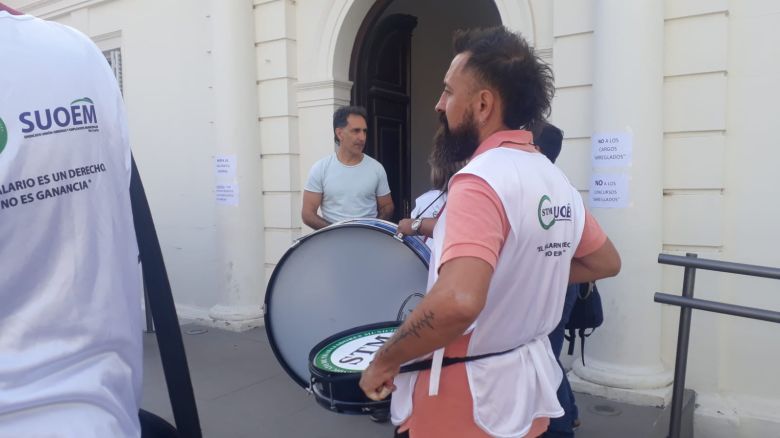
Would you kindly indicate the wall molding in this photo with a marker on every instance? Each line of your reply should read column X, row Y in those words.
column 49, row 9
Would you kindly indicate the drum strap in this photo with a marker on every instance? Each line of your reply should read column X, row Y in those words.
column 429, row 205
column 416, row 366
column 447, row 361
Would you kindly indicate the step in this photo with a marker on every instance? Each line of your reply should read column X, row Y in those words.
column 603, row 418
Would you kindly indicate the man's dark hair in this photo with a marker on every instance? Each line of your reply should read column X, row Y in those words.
column 549, row 139
column 340, row 117
column 502, row 60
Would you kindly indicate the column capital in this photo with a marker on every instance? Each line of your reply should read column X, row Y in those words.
column 323, row 93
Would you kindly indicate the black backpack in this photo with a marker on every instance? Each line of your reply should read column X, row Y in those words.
column 586, row 314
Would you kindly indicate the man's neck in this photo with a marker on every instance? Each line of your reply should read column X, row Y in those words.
column 347, row 158
column 490, row 129
column 9, row 10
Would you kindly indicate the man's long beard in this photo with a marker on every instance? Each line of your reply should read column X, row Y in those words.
column 452, row 148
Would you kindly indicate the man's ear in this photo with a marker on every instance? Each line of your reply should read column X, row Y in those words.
column 339, row 132
column 486, row 101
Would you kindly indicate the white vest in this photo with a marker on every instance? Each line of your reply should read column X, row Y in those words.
column 525, row 296
column 70, row 320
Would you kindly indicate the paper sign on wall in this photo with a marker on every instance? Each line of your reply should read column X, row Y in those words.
column 227, row 194
column 611, row 149
column 609, row 190
column 225, row 166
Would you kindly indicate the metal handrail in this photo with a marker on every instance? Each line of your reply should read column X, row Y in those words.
column 691, row 261
column 718, row 307
column 687, row 303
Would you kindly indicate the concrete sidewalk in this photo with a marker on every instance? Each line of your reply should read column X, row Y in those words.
column 242, row 391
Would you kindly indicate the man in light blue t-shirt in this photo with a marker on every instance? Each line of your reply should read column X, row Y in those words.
column 346, row 184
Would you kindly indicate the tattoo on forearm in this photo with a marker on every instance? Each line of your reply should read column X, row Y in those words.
column 414, row 330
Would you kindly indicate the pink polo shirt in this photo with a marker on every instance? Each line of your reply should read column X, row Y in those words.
column 477, row 226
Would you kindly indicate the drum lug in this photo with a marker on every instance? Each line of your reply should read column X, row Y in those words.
column 332, row 399
column 399, row 237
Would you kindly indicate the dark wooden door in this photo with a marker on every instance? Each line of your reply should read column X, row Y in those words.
column 383, row 87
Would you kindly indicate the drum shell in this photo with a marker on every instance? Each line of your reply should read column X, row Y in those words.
column 344, row 396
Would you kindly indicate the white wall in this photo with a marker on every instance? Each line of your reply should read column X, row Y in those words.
column 721, row 67
column 276, row 47
column 169, row 108
column 750, row 209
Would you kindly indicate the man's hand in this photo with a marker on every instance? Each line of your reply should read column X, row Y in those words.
column 452, row 304
column 426, row 227
column 377, row 384
column 405, row 227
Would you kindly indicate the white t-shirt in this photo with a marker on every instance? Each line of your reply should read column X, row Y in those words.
column 348, row 192
column 433, row 200
column 70, row 321
column 429, row 205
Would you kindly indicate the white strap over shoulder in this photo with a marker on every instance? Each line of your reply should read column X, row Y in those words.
column 433, row 384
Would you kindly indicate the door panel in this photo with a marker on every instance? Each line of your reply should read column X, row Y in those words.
column 383, row 87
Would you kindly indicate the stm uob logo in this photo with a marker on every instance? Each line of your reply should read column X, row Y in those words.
column 79, row 115
column 549, row 213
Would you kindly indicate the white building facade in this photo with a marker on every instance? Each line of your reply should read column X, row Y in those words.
column 687, row 86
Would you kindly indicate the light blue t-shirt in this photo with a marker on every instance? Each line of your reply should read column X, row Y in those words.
column 348, row 192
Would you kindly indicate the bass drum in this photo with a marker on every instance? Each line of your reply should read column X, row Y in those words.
column 349, row 274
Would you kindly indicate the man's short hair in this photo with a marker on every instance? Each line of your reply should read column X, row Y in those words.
column 340, row 117
column 502, row 60
column 549, row 139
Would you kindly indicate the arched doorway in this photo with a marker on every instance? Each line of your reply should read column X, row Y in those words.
column 401, row 52
column 382, row 84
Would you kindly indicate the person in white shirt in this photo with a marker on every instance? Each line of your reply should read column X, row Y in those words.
column 427, row 208
column 347, row 184
column 70, row 321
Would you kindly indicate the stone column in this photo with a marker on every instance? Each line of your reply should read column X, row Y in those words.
column 239, row 227
column 624, row 360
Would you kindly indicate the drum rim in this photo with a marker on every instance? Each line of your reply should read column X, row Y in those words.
column 341, row 335
column 269, row 330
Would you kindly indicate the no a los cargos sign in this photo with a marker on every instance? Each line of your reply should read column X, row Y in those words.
column 612, row 149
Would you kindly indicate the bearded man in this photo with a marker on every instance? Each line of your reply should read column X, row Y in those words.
column 513, row 234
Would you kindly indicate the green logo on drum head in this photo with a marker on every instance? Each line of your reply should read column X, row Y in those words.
column 353, row 353
column 3, row 136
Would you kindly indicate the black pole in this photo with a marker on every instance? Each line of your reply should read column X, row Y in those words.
column 681, row 363
column 174, row 359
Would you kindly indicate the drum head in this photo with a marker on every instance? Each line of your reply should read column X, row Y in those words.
column 336, row 364
column 350, row 351
column 338, row 278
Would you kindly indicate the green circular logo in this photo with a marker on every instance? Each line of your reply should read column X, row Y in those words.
column 545, row 213
column 3, row 136
column 352, row 353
